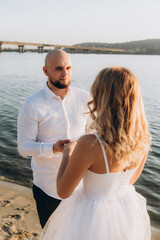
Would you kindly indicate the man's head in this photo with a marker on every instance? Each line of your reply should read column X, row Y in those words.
column 58, row 69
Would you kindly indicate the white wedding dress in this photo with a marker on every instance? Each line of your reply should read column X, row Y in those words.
column 106, row 207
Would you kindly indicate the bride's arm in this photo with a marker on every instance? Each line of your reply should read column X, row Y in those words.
column 139, row 170
column 66, row 155
column 76, row 160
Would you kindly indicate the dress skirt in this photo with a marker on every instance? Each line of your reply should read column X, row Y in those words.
column 82, row 217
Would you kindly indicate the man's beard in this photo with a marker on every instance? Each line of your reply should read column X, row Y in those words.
column 59, row 85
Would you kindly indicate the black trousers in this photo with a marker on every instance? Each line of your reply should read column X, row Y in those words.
column 45, row 204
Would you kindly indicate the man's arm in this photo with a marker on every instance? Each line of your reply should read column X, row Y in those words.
column 27, row 135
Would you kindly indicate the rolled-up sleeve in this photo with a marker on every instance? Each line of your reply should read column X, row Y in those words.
column 28, row 124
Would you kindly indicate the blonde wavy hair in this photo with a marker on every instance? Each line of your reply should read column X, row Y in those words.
column 118, row 114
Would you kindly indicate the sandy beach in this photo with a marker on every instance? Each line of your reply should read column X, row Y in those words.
column 18, row 216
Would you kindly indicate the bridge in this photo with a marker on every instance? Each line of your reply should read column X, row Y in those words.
column 72, row 49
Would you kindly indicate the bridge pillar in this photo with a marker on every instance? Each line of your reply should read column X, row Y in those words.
column 58, row 47
column 86, row 51
column 40, row 49
column 99, row 52
column 21, row 48
column 73, row 50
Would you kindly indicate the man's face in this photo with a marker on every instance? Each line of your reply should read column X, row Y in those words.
column 59, row 71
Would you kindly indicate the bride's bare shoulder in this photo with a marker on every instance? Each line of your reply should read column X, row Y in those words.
column 87, row 139
column 87, row 142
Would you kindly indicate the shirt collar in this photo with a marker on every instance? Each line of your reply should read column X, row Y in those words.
column 50, row 95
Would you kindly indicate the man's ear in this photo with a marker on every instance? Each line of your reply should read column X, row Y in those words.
column 45, row 71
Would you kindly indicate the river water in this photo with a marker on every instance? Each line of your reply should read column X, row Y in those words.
column 21, row 75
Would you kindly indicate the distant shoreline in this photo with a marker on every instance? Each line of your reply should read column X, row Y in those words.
column 139, row 47
column 79, row 52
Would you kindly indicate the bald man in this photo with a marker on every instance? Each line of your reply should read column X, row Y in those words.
column 47, row 121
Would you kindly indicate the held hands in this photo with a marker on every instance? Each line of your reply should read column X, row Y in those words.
column 60, row 145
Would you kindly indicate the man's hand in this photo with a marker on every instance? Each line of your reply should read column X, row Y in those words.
column 59, row 145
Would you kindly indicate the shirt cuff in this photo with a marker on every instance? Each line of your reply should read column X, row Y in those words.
column 47, row 150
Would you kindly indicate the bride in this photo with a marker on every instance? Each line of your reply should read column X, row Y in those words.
column 106, row 206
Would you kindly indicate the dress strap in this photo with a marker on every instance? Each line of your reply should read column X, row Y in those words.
column 104, row 153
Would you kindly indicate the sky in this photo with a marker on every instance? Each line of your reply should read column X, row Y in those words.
column 71, row 22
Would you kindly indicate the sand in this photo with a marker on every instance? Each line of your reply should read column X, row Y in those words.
column 18, row 216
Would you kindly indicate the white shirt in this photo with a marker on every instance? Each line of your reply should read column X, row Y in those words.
column 43, row 120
